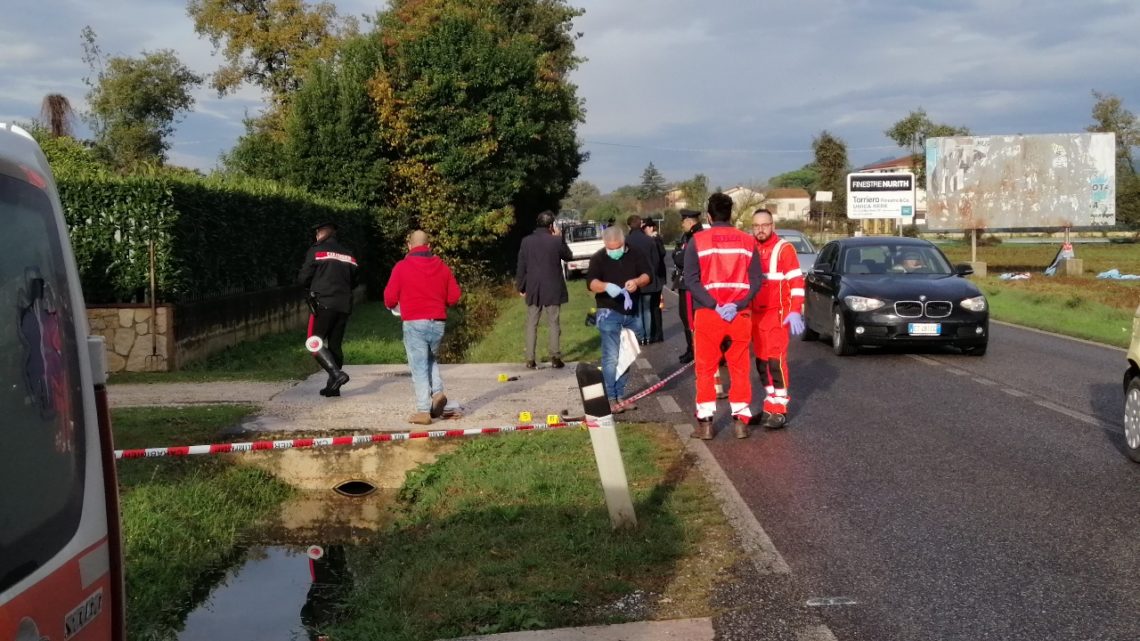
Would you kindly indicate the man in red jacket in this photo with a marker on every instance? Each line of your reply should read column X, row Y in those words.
column 775, row 310
column 420, row 290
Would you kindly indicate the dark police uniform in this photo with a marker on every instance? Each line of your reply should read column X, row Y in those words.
column 330, row 274
column 679, row 282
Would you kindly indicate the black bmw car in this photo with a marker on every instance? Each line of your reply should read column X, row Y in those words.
column 885, row 290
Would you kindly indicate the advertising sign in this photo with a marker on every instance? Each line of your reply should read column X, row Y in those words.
column 1018, row 182
column 871, row 195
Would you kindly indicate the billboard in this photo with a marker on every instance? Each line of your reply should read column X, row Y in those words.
column 880, row 195
column 1019, row 182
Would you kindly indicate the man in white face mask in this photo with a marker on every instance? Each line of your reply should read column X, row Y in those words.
column 615, row 274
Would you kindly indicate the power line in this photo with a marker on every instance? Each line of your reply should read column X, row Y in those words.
column 729, row 151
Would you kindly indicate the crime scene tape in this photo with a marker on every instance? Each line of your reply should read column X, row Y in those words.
column 654, row 387
column 335, row 441
column 363, row 439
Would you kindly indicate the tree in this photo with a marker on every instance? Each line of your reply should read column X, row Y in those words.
column 1110, row 115
column 831, row 167
column 134, row 102
column 269, row 43
column 474, row 104
column 652, row 184
column 911, row 133
column 581, row 196
column 806, row 178
column 696, row 191
column 56, row 115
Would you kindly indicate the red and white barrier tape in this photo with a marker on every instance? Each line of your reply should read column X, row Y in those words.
column 654, row 387
column 363, row 439
column 335, row 441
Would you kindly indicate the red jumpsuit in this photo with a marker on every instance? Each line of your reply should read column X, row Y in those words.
column 781, row 294
column 721, row 267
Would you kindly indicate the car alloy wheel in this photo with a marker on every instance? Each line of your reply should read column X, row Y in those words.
column 1132, row 419
column 839, row 343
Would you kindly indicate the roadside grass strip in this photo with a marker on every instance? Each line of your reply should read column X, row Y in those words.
column 374, row 337
column 1062, row 307
column 504, row 342
column 183, row 520
column 512, row 534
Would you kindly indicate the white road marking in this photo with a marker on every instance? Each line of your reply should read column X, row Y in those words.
column 1014, row 392
column 669, row 405
column 643, row 364
column 984, row 381
column 1060, row 409
column 652, row 378
column 815, row 633
column 759, row 547
column 816, row 602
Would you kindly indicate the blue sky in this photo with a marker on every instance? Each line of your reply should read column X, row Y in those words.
column 729, row 88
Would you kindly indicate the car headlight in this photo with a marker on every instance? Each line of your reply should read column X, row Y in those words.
column 862, row 303
column 975, row 304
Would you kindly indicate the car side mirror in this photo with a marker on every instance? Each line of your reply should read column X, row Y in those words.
column 963, row 269
column 823, row 269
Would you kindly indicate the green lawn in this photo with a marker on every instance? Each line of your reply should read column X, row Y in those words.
column 512, row 533
column 504, row 343
column 183, row 519
column 1064, row 307
column 374, row 335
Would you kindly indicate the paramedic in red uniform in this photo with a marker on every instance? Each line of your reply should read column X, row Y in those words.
column 777, row 309
column 722, row 273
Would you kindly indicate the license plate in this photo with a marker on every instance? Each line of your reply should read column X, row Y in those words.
column 924, row 329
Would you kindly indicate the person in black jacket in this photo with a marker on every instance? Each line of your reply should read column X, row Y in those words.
column 330, row 275
column 657, row 334
column 539, row 281
column 649, row 298
column 690, row 224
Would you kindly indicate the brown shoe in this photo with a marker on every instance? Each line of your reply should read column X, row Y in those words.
column 704, row 430
column 740, row 428
column 438, row 402
column 420, row 418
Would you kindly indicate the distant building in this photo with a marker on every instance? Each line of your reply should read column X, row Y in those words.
column 675, row 199
column 789, row 203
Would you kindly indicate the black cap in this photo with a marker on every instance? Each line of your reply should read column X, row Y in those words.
column 690, row 213
column 325, row 224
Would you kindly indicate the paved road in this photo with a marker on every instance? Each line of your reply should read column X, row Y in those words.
column 946, row 496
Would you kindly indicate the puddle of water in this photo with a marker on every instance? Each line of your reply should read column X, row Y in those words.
column 278, row 594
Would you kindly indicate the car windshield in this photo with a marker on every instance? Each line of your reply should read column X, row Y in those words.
column 582, row 232
column 891, row 258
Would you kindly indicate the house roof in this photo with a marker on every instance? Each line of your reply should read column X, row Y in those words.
column 903, row 162
column 788, row 192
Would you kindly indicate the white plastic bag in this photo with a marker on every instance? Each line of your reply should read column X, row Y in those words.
column 628, row 350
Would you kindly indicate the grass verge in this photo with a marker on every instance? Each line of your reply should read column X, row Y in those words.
column 504, row 343
column 182, row 519
column 374, row 336
column 512, row 533
column 1061, row 306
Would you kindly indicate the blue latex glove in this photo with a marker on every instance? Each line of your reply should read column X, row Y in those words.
column 628, row 304
column 795, row 322
column 613, row 290
column 727, row 311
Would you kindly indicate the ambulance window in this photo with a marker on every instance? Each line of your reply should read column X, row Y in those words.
column 42, row 456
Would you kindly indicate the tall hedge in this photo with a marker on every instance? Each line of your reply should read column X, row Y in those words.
column 211, row 236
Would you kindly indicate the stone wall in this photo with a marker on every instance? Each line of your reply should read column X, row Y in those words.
column 133, row 337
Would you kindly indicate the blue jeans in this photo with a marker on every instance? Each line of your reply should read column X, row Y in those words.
column 645, row 311
column 421, row 342
column 610, row 324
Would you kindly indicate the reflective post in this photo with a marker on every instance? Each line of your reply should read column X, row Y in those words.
column 607, row 453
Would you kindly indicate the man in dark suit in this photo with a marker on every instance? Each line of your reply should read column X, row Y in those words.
column 540, row 282
column 649, row 298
